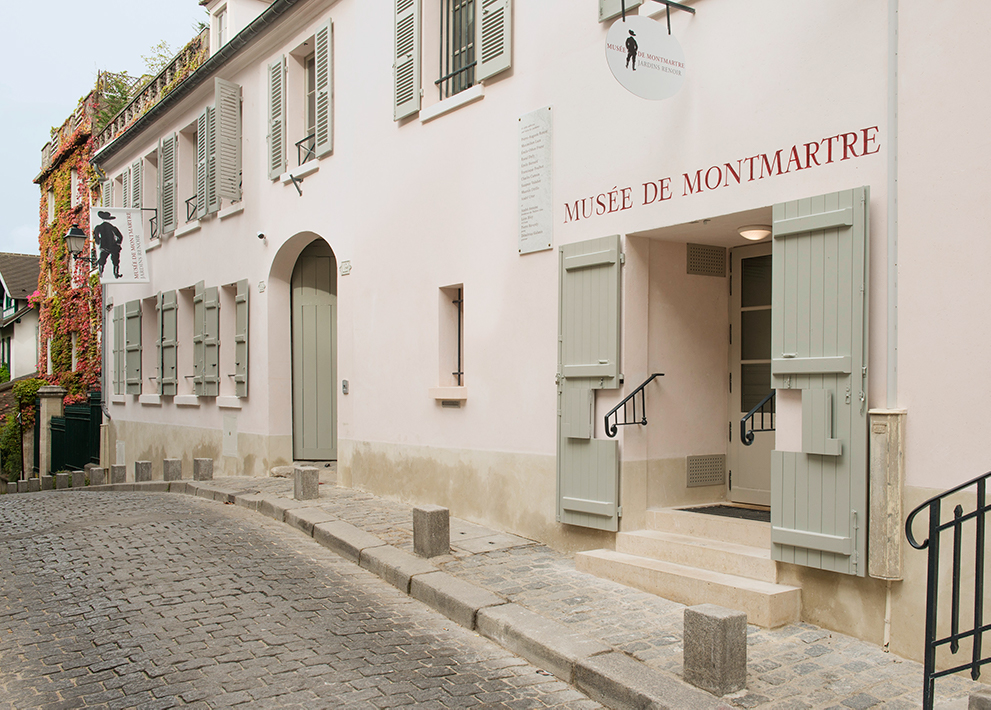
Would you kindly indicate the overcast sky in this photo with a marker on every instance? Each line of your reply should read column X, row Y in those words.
column 51, row 52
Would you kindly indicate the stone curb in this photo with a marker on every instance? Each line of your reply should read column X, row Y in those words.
column 604, row 674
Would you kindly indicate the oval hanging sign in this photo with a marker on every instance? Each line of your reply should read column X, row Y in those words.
column 644, row 58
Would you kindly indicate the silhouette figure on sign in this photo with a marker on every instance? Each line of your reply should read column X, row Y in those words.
column 631, row 50
column 108, row 238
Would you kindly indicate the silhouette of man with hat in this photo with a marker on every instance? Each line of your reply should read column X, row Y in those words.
column 109, row 239
column 631, row 50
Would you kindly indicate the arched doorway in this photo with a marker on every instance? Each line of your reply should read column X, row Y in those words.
column 314, row 353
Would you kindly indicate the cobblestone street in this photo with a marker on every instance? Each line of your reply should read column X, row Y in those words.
column 156, row 600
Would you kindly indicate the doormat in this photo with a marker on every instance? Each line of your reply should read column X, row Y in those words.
column 732, row 511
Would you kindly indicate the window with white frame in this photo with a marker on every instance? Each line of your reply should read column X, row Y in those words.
column 221, row 26
column 74, row 187
column 475, row 39
column 50, row 201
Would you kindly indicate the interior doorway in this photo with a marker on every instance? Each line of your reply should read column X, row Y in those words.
column 749, row 477
column 314, row 353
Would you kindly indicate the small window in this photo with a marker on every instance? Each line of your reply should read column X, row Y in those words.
column 51, row 206
column 186, row 183
column 451, row 331
column 310, row 130
column 457, row 47
column 184, row 351
column 74, row 187
column 221, row 27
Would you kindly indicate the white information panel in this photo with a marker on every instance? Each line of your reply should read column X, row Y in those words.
column 536, row 182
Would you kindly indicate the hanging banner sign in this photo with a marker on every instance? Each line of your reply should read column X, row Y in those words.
column 644, row 58
column 118, row 237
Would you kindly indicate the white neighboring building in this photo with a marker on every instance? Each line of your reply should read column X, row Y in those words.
column 18, row 320
column 339, row 273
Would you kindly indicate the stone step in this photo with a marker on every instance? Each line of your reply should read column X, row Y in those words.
column 712, row 527
column 715, row 555
column 766, row 604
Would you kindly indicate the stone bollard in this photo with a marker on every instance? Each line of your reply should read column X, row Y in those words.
column 34, row 485
column 202, row 469
column 61, row 480
column 22, row 485
column 715, row 648
column 172, row 469
column 78, row 479
column 97, row 476
column 979, row 700
column 431, row 531
column 306, row 483
column 11, row 486
column 118, row 473
column 47, row 483
column 142, row 471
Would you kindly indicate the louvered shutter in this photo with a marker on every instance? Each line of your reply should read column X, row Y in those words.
column 406, row 66
column 136, row 180
column 199, row 338
column 167, row 168
column 211, row 341
column 324, row 69
column 819, row 346
column 132, row 347
column 588, row 359
column 494, row 35
column 125, row 178
column 241, row 339
column 609, row 9
column 105, row 198
column 227, row 115
column 167, row 343
column 276, row 118
column 202, row 160
column 118, row 349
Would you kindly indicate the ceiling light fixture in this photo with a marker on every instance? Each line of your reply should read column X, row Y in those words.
column 755, row 232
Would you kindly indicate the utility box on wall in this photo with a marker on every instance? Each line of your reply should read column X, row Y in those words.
column 887, row 475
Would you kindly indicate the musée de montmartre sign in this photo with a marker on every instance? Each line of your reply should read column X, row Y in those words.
column 801, row 156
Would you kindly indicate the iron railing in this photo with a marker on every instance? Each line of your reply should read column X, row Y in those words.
column 308, row 151
column 975, row 633
column 191, row 208
column 611, row 429
column 764, row 410
column 457, row 47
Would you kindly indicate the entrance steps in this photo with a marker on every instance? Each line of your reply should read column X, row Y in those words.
column 694, row 558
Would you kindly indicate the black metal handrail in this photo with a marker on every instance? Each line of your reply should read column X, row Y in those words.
column 765, row 409
column 611, row 429
column 310, row 148
column 932, row 542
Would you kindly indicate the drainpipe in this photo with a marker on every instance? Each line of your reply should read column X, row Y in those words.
column 892, row 352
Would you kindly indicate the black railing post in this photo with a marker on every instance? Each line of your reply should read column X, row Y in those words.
column 955, row 589
column 975, row 672
column 932, row 585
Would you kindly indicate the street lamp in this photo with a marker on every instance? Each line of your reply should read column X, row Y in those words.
column 75, row 242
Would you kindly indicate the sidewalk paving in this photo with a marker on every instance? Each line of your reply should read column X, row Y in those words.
column 790, row 668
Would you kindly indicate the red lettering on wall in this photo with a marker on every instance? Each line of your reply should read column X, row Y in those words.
column 868, row 139
column 689, row 189
column 849, row 145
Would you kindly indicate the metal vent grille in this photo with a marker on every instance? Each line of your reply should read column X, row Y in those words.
column 706, row 260
column 707, row 470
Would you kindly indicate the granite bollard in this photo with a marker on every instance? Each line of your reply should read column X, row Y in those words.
column 172, row 469
column 97, row 476
column 78, row 479
column 34, row 484
column 12, row 487
column 142, row 471
column 431, row 531
column 47, row 483
column 202, row 469
column 22, row 485
column 61, row 480
column 306, row 483
column 715, row 648
column 118, row 473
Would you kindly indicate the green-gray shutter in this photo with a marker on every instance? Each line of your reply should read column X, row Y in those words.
column 167, row 159
column 227, row 115
column 609, row 9
column 324, row 69
column 167, row 345
column 105, row 198
column 118, row 349
column 277, row 118
column 819, row 345
column 199, row 338
column 136, row 197
column 211, row 341
column 588, row 359
column 207, row 201
column 241, row 339
column 132, row 347
column 125, row 178
column 406, row 59
column 494, row 37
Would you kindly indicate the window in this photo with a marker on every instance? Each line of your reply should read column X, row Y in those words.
column 475, row 39
column 451, row 331
column 74, row 188
column 50, row 199
column 300, row 103
column 221, row 17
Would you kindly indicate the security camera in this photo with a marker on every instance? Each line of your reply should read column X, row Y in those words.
column 261, row 235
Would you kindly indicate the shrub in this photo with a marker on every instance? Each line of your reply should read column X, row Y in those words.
column 10, row 447
column 4, row 374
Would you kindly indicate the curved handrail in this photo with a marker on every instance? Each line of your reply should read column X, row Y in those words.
column 612, row 429
column 747, row 437
column 918, row 509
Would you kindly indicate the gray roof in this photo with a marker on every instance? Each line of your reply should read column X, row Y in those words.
column 19, row 274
